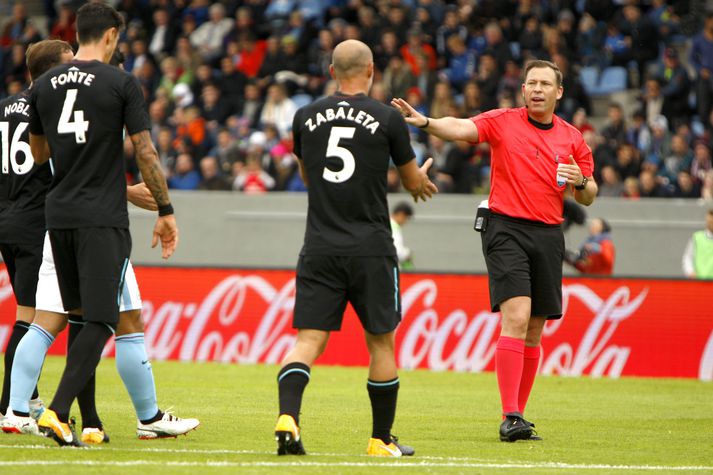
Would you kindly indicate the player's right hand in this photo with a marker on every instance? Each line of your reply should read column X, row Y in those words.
column 167, row 231
column 411, row 116
column 427, row 188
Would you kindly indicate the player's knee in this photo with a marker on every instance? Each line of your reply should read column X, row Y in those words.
column 52, row 323
column 383, row 343
column 130, row 322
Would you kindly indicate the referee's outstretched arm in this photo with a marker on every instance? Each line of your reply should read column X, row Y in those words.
column 446, row 128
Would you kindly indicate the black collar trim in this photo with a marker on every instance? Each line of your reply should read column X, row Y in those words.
column 540, row 125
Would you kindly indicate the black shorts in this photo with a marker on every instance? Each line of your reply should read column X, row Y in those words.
column 91, row 263
column 524, row 258
column 326, row 283
column 23, row 265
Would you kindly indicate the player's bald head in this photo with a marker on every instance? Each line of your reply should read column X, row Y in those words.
column 350, row 58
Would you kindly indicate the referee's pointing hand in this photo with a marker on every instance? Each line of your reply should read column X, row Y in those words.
column 411, row 116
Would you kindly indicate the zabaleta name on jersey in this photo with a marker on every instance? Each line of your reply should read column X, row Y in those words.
column 362, row 118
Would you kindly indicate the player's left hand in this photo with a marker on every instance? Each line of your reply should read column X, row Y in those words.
column 140, row 195
column 570, row 172
column 167, row 231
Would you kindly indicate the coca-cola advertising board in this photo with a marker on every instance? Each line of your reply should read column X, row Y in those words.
column 611, row 327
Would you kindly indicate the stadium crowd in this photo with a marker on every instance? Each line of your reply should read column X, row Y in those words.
column 223, row 80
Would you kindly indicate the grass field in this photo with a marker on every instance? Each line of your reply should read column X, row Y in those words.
column 590, row 426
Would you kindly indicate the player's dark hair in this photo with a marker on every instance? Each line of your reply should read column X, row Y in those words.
column 94, row 18
column 45, row 55
column 404, row 208
column 541, row 63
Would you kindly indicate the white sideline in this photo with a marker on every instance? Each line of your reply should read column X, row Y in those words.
column 423, row 461
column 385, row 464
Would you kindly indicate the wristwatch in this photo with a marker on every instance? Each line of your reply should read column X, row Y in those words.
column 583, row 185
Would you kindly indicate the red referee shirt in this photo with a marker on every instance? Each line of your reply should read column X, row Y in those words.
column 523, row 180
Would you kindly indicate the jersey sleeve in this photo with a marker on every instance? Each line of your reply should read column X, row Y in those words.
column 136, row 117
column 583, row 156
column 296, row 134
column 488, row 125
column 35, row 122
column 399, row 140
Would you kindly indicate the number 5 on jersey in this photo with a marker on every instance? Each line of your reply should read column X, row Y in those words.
column 80, row 126
column 334, row 150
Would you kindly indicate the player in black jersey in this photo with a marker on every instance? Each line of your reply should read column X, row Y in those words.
column 132, row 360
column 23, row 186
column 344, row 144
column 78, row 112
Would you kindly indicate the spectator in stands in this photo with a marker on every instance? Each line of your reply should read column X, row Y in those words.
column 628, row 162
column 610, row 184
column 597, row 254
column 252, row 179
column 213, row 179
column 171, row 75
column 401, row 214
column 679, row 160
column 581, row 122
column 530, row 39
column 14, row 27
column 649, row 187
column 702, row 162
column 461, row 64
column 496, row 46
column 64, row 28
column 702, row 60
column 370, row 29
column 14, row 68
column 397, row 77
column 675, row 90
column 226, row 151
column 631, row 189
column 162, row 40
column 387, row 48
column 590, row 38
column 166, row 152
column 685, row 187
column 652, row 101
column 442, row 100
column 707, row 188
column 251, row 105
column 641, row 36
column 616, row 47
column 451, row 26
column 660, row 146
column 185, row 176
column 638, row 134
column 615, row 130
column 215, row 109
column 278, row 109
column 698, row 256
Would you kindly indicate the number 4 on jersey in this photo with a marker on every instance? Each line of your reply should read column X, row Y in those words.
column 80, row 126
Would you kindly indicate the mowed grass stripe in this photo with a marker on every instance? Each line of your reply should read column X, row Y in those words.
column 390, row 464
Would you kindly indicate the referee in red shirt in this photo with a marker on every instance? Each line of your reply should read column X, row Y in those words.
column 535, row 156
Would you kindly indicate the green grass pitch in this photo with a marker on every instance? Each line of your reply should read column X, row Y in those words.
column 589, row 426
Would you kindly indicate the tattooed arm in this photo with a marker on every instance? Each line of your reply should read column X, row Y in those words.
column 147, row 160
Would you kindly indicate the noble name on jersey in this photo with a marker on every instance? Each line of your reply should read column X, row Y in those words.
column 362, row 118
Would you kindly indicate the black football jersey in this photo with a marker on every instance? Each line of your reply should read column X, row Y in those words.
column 345, row 144
column 82, row 107
column 23, row 185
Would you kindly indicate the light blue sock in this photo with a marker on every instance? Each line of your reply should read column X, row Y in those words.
column 134, row 367
column 26, row 368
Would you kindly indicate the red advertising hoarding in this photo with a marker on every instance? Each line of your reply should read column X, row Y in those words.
column 611, row 327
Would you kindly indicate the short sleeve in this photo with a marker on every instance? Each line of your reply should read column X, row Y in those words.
column 488, row 125
column 35, row 122
column 136, row 117
column 399, row 140
column 297, row 134
column 583, row 156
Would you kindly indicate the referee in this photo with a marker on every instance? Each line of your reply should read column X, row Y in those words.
column 535, row 156
column 344, row 144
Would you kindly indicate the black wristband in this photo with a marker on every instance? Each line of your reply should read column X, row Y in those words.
column 428, row 121
column 165, row 210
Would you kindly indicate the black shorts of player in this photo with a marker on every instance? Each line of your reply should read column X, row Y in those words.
column 91, row 263
column 326, row 283
column 524, row 258
column 23, row 265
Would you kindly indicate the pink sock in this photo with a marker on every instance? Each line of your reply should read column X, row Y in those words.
column 529, row 371
column 508, row 367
